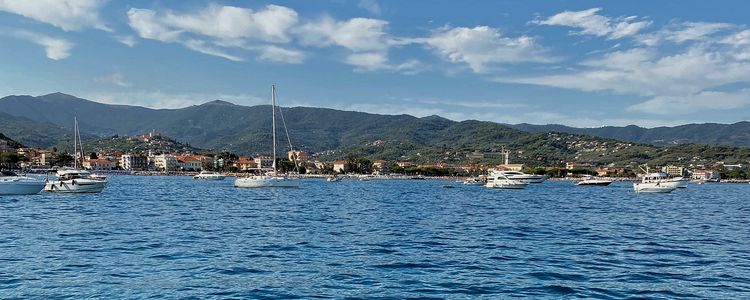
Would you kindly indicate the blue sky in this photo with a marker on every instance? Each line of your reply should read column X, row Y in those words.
column 579, row 63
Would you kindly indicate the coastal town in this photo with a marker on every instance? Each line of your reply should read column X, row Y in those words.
column 162, row 157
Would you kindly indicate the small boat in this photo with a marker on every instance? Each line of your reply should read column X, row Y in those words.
column 679, row 182
column 333, row 178
column 13, row 184
column 473, row 181
column 590, row 180
column 654, row 183
column 208, row 175
column 448, row 186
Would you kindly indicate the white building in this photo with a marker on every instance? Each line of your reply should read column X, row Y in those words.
column 264, row 162
column 134, row 162
column 165, row 162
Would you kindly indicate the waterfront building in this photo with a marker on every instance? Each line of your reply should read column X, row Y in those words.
column 189, row 163
column 675, row 171
column 298, row 155
column 165, row 162
column 339, row 166
column 245, row 164
column 99, row 164
column 706, row 175
column 134, row 162
column 264, row 162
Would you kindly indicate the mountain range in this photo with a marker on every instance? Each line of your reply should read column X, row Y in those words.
column 47, row 120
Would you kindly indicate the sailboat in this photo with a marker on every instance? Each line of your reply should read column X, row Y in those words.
column 75, row 180
column 272, row 178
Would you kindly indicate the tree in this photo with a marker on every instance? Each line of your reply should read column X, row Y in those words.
column 93, row 155
column 63, row 159
column 358, row 165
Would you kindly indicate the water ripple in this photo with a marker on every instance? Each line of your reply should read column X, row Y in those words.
column 174, row 237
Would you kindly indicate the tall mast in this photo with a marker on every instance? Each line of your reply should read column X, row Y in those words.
column 75, row 142
column 273, row 124
column 80, row 143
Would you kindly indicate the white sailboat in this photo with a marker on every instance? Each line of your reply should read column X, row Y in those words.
column 75, row 180
column 270, row 179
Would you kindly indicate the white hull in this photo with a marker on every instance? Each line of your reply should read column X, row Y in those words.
column 75, row 186
column 653, row 187
column 210, row 177
column 529, row 178
column 507, row 184
column 681, row 184
column 20, row 186
column 595, row 182
column 265, row 181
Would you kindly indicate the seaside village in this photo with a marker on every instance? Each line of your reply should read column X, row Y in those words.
column 159, row 162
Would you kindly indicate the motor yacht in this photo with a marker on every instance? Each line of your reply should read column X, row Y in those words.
column 75, row 181
column 208, row 175
column 654, row 183
column 13, row 184
column 501, row 181
column 591, row 180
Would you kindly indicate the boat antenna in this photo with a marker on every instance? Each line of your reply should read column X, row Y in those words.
column 288, row 139
column 273, row 124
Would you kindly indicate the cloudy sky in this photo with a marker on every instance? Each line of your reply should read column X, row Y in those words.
column 579, row 63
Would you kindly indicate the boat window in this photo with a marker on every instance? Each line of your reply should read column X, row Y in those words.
column 8, row 173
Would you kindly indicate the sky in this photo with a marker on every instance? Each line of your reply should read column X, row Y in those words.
column 577, row 63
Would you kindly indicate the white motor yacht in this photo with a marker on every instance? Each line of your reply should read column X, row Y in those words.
column 271, row 179
column 13, row 184
column 208, row 175
column 654, row 183
column 75, row 181
column 528, row 178
column 591, row 180
column 500, row 181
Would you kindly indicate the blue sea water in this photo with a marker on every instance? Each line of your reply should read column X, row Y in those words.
column 175, row 237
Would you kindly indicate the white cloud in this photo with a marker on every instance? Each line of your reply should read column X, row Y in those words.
column 357, row 34
column 702, row 101
column 371, row 6
column 642, row 72
column 205, row 48
column 214, row 29
column 229, row 22
column 482, row 46
column 115, row 78
column 70, row 15
column 593, row 24
column 683, row 32
column 159, row 99
column 128, row 40
column 55, row 48
column 278, row 54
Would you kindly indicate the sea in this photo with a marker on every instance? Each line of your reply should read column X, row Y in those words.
column 180, row 238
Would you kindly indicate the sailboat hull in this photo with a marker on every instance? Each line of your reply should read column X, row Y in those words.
column 265, row 181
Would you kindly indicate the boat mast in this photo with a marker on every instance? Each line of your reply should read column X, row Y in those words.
column 75, row 142
column 80, row 142
column 273, row 124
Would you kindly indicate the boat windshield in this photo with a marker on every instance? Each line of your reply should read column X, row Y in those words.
column 7, row 173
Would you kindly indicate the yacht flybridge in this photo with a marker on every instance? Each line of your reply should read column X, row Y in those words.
column 271, row 178
column 76, row 180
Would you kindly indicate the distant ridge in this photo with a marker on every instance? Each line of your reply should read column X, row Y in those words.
column 737, row 134
column 220, row 125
